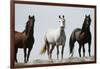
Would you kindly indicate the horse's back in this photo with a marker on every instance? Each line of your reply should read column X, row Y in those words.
column 52, row 35
column 55, row 35
column 75, row 34
column 80, row 36
column 19, row 39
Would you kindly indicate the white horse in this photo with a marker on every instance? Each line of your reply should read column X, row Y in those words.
column 56, row 38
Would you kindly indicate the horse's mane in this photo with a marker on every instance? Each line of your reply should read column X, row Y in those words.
column 26, row 27
column 27, row 23
column 84, row 23
column 83, row 26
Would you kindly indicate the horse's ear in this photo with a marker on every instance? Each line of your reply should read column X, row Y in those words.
column 29, row 16
column 59, row 16
column 85, row 15
column 63, row 16
column 89, row 15
column 33, row 15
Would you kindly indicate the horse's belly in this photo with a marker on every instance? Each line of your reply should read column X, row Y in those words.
column 84, row 37
column 77, row 35
column 19, row 44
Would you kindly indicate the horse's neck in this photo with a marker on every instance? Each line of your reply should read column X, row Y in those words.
column 30, row 34
column 86, row 30
column 61, row 31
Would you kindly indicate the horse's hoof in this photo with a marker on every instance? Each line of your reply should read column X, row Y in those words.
column 16, row 61
column 79, row 55
column 25, row 61
column 62, row 58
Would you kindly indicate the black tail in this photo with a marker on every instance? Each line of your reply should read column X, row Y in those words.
column 73, row 39
column 71, row 42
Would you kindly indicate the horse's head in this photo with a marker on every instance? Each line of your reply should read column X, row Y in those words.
column 87, row 21
column 62, row 21
column 30, row 24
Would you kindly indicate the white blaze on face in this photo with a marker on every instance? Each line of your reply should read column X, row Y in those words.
column 61, row 22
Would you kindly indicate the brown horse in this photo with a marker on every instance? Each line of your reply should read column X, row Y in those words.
column 82, row 36
column 25, row 39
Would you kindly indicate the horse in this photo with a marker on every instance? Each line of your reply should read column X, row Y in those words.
column 25, row 39
column 55, row 38
column 82, row 36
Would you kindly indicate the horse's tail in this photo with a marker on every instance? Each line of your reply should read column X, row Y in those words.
column 43, row 50
column 71, row 42
column 73, row 39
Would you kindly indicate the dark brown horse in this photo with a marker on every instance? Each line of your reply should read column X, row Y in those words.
column 25, row 39
column 82, row 36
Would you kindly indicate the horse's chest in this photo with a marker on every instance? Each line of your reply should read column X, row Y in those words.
column 61, row 39
column 30, row 41
column 84, row 37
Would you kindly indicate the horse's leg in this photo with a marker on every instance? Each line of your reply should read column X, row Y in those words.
column 47, row 47
column 51, row 51
column 25, row 54
column 83, row 50
column 62, row 51
column 57, row 51
column 29, row 50
column 89, row 48
column 16, row 50
column 79, row 50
